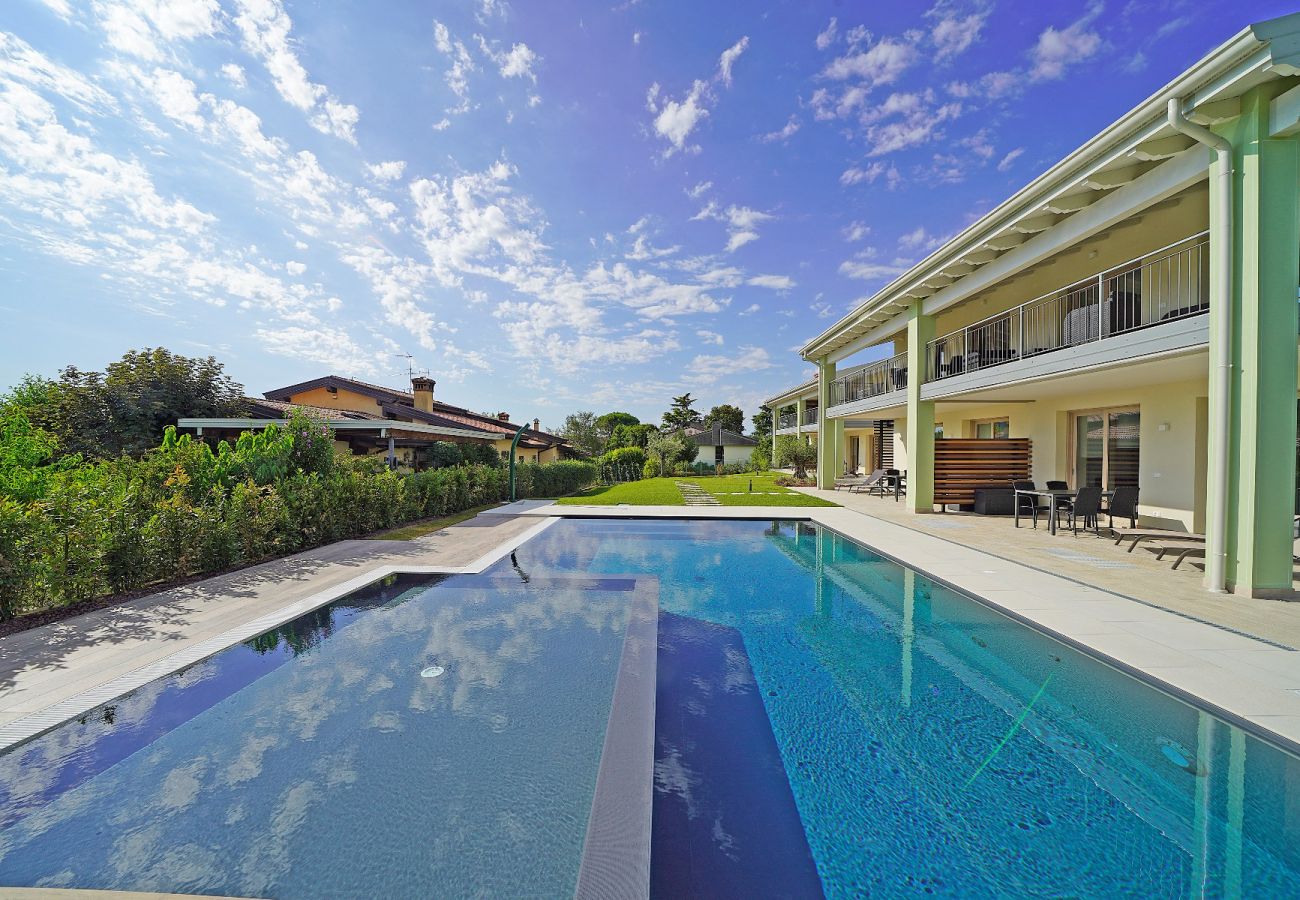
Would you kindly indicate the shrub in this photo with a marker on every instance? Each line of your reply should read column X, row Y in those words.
column 443, row 454
column 183, row 509
column 650, row 469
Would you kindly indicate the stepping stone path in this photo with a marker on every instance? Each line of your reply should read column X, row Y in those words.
column 694, row 496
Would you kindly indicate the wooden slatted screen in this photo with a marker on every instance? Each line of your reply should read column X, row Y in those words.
column 884, row 449
column 963, row 464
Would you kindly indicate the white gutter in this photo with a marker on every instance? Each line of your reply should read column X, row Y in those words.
column 1221, row 228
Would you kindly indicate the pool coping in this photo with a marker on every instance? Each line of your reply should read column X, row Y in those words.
column 1265, row 705
column 34, row 724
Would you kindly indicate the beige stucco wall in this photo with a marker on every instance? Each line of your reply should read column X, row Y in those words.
column 1171, row 473
column 344, row 399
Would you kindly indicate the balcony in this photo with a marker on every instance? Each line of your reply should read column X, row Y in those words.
column 1163, row 287
column 787, row 420
column 879, row 378
column 810, row 415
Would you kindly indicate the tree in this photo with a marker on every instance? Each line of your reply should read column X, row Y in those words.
column 729, row 417
column 666, row 449
column 761, row 458
column 606, row 424
column 127, row 407
column 681, row 415
column 793, row 451
column 580, row 430
column 629, row 436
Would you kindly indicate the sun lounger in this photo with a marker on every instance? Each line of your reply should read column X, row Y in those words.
column 858, row 485
column 1183, row 551
column 1137, row 535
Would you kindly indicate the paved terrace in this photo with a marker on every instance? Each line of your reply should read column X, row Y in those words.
column 1094, row 561
column 46, row 665
column 1234, row 656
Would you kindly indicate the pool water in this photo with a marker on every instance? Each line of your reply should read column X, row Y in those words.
column 827, row 722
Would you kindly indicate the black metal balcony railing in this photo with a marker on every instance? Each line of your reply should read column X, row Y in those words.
column 810, row 415
column 882, row 377
column 787, row 420
column 1169, row 284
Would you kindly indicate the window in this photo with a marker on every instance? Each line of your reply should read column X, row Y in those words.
column 993, row 428
column 938, row 431
column 1106, row 448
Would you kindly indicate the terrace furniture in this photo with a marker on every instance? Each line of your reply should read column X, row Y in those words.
column 1124, row 503
column 1051, row 496
column 894, row 480
column 1137, row 535
column 1026, row 500
column 995, row 501
column 1086, row 504
column 867, row 484
column 1183, row 553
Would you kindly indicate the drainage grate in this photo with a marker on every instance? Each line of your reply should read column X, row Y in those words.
column 1095, row 562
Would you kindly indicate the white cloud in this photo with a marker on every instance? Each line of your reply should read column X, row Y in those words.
column 881, row 64
column 781, row 134
column 954, row 30
column 870, row 173
column 1010, row 158
column 60, row 8
column 742, row 223
column 700, row 188
column 386, row 171
column 1057, row 50
column 729, row 57
column 264, row 27
column 518, row 63
column 457, row 77
column 19, row 61
column 750, row 310
column 674, row 120
column 295, row 268
column 827, row 37
column 855, row 231
column 235, row 75
column 749, row 359
column 331, row 347
column 636, row 36
column 918, row 239
column 772, row 282
column 870, row 271
column 710, row 337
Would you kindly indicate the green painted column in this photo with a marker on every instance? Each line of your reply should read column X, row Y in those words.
column 920, row 415
column 1262, row 438
column 830, row 432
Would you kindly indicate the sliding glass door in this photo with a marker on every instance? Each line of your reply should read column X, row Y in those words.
column 1106, row 448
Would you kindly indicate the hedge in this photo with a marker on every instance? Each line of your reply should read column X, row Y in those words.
column 184, row 510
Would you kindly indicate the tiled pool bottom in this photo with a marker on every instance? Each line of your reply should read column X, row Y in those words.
column 826, row 722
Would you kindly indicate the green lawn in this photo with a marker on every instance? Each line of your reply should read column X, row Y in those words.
column 731, row 490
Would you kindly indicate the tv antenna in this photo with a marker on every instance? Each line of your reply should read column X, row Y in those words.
column 411, row 370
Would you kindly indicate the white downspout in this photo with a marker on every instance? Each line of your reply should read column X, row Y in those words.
column 1221, row 227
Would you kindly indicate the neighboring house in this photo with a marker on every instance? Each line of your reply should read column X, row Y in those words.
column 720, row 446
column 371, row 419
column 1129, row 315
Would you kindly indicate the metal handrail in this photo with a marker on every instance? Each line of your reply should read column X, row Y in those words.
column 810, row 415
column 787, row 420
column 881, row 377
column 1169, row 283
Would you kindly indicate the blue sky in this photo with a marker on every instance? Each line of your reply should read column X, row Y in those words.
column 550, row 205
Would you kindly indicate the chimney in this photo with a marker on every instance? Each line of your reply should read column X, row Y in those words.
column 503, row 416
column 422, row 388
column 537, row 425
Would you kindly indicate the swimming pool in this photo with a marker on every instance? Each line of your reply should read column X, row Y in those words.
column 826, row 721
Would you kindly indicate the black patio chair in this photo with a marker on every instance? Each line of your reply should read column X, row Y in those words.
column 1123, row 503
column 1085, row 505
column 1061, row 502
column 1026, row 503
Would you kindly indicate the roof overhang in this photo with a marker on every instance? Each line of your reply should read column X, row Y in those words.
column 1126, row 154
column 383, row 426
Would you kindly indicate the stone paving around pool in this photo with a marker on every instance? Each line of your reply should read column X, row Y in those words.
column 1233, row 655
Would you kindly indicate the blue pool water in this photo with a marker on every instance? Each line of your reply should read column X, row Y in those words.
column 827, row 722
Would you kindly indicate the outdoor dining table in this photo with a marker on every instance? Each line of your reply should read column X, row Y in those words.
column 1051, row 497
